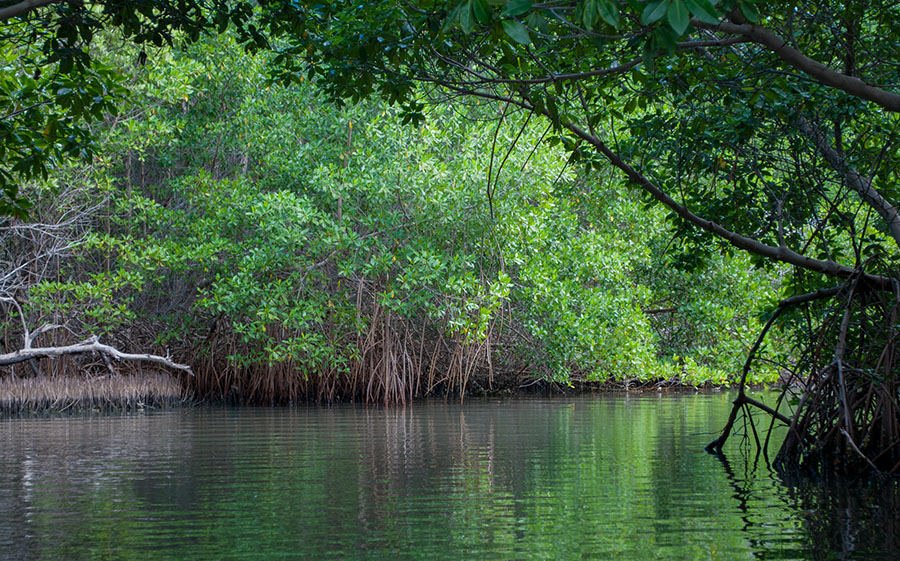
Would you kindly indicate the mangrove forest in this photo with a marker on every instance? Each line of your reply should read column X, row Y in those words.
column 333, row 202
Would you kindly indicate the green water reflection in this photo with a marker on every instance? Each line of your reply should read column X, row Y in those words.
column 604, row 477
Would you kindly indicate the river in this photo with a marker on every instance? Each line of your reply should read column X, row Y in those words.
column 586, row 477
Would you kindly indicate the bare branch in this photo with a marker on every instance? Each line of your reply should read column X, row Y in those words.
column 29, row 340
column 91, row 345
column 27, row 334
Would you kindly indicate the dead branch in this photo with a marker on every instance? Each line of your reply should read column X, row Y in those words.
column 30, row 337
column 90, row 345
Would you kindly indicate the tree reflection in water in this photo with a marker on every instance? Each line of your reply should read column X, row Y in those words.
column 841, row 518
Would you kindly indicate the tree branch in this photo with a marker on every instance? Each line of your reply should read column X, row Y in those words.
column 715, row 446
column 750, row 245
column 22, row 8
column 855, row 180
column 783, row 254
column 30, row 337
column 816, row 70
column 91, row 345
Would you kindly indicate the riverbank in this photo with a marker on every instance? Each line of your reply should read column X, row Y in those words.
column 156, row 390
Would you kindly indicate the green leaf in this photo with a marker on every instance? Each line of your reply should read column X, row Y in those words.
column 703, row 10
column 517, row 31
column 589, row 13
column 648, row 54
column 750, row 12
column 466, row 18
column 536, row 20
column 609, row 11
column 679, row 18
column 452, row 18
column 654, row 12
column 482, row 11
column 515, row 8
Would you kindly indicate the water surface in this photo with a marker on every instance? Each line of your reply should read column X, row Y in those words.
column 590, row 477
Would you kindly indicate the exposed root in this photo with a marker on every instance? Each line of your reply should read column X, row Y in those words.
column 850, row 408
column 848, row 417
column 390, row 359
column 73, row 393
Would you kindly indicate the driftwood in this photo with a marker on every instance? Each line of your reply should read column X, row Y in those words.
column 90, row 345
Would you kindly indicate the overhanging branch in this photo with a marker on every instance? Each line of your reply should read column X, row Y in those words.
column 22, row 8
column 750, row 245
column 783, row 254
column 855, row 180
column 813, row 68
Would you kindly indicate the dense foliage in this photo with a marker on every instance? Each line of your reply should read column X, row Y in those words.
column 764, row 127
column 294, row 249
column 52, row 88
column 768, row 127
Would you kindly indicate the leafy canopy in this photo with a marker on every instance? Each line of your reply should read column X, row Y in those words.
column 759, row 125
column 53, row 92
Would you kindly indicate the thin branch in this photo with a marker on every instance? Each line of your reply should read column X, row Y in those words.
column 767, row 409
column 29, row 340
column 750, row 245
column 23, row 110
column 575, row 76
column 716, row 445
column 858, row 451
column 26, row 333
column 855, row 180
column 783, row 254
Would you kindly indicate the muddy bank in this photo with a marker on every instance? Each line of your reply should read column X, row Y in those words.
column 155, row 390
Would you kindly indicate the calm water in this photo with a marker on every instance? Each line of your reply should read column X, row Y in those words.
column 608, row 477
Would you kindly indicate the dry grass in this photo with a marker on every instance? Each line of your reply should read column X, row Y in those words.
column 106, row 393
